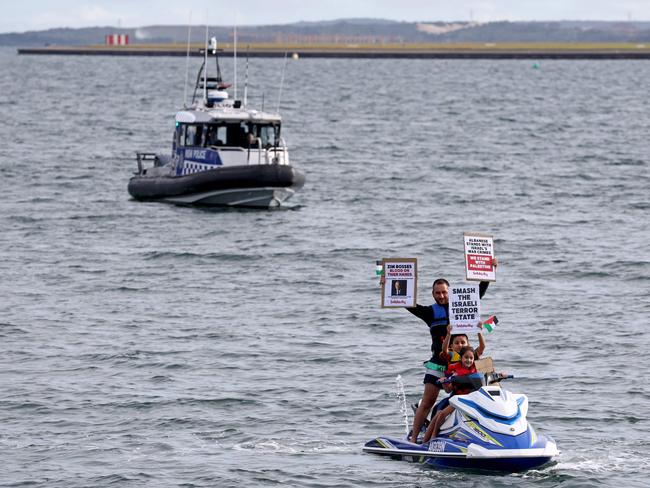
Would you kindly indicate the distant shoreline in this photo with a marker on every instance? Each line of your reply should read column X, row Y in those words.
column 414, row 51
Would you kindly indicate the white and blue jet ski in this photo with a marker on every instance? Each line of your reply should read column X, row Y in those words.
column 488, row 430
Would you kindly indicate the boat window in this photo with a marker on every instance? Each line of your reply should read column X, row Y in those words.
column 217, row 135
column 248, row 135
column 236, row 134
column 177, row 138
column 269, row 133
column 224, row 134
column 193, row 135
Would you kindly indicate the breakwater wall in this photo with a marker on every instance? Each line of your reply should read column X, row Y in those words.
column 346, row 52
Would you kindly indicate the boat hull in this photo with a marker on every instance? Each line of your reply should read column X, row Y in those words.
column 254, row 186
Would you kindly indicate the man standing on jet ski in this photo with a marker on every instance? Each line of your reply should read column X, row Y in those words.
column 436, row 317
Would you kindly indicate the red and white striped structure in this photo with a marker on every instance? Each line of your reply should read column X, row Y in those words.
column 117, row 39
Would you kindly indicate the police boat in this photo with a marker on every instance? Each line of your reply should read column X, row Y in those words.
column 223, row 153
column 488, row 430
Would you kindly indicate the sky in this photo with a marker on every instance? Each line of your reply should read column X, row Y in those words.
column 24, row 15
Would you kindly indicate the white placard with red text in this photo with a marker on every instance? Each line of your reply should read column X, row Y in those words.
column 399, row 288
column 464, row 308
column 479, row 257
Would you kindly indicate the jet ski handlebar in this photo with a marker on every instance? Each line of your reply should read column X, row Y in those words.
column 475, row 380
column 496, row 377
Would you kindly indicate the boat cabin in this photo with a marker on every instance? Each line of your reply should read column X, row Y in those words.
column 203, row 140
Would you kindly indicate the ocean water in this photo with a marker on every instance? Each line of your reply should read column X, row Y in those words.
column 145, row 344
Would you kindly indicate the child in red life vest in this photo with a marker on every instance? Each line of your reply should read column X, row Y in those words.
column 462, row 368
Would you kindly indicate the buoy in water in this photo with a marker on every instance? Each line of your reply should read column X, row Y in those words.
column 535, row 65
column 295, row 56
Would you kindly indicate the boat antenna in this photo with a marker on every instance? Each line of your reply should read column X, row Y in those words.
column 197, row 85
column 284, row 68
column 187, row 59
column 234, row 61
column 246, row 78
column 214, row 48
column 205, row 64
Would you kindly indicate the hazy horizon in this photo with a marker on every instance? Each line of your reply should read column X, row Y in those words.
column 34, row 15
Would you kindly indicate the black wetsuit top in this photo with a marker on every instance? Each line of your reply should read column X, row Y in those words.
column 439, row 332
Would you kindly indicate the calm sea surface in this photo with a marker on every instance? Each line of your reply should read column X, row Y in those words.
column 144, row 344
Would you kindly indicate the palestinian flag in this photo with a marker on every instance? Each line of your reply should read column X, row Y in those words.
column 490, row 323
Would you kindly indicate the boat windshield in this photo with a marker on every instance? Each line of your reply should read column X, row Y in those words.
column 230, row 134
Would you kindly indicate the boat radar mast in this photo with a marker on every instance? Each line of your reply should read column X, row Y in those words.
column 213, row 87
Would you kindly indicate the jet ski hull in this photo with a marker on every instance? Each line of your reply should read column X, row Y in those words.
column 442, row 453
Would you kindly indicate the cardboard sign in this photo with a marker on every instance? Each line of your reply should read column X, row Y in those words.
column 464, row 308
column 479, row 257
column 399, row 288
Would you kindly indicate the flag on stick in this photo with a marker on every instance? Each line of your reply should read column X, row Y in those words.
column 490, row 323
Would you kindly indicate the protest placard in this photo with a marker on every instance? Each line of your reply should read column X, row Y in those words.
column 399, row 286
column 479, row 257
column 464, row 308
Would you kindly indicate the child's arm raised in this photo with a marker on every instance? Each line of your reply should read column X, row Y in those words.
column 444, row 354
column 478, row 352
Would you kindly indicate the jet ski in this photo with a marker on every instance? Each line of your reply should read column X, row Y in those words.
column 488, row 430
